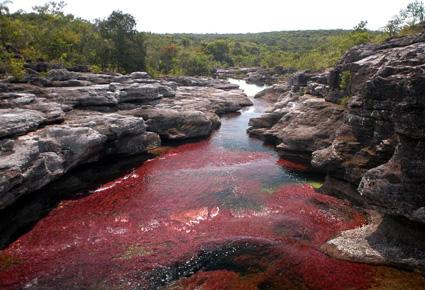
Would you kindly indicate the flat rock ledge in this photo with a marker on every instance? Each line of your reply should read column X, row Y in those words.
column 51, row 125
column 383, row 241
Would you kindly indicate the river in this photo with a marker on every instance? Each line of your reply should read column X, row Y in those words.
column 222, row 213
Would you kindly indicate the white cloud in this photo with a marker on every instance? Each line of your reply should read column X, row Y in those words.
column 201, row 16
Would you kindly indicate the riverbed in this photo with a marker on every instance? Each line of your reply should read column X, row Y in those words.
column 221, row 213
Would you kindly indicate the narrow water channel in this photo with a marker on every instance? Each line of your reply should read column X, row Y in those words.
column 216, row 214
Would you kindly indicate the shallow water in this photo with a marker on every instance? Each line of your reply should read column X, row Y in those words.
column 222, row 213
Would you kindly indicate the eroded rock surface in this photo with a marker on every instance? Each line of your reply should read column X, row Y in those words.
column 375, row 142
column 380, row 148
column 298, row 124
column 379, row 242
column 361, row 123
column 72, row 118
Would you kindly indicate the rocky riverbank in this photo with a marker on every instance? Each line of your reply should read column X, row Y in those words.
column 362, row 124
column 55, row 123
column 256, row 75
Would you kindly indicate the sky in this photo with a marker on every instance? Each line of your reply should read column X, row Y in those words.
column 235, row 16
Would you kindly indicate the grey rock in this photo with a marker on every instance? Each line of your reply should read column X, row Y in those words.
column 60, row 75
column 90, row 96
column 274, row 92
column 139, row 75
column 83, row 117
column 176, row 125
column 316, row 89
column 375, row 155
column 379, row 149
column 36, row 160
column 143, row 93
column 383, row 241
column 202, row 82
column 14, row 122
column 298, row 125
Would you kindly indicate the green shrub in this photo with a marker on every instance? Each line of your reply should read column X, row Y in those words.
column 344, row 101
column 345, row 81
column 95, row 69
column 195, row 64
column 12, row 66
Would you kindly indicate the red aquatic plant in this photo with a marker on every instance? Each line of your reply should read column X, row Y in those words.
column 164, row 211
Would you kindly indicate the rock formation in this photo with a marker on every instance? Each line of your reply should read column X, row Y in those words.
column 362, row 124
column 71, row 118
column 256, row 75
column 298, row 124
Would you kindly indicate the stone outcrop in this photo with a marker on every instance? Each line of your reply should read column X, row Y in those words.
column 362, row 123
column 379, row 149
column 298, row 124
column 272, row 93
column 73, row 118
column 384, row 240
column 256, row 75
column 172, row 124
column 374, row 143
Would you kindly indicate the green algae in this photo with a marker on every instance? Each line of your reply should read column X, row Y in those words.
column 7, row 262
column 269, row 189
column 387, row 278
column 315, row 184
column 134, row 251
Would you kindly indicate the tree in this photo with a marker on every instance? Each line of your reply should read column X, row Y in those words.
column 4, row 10
column 127, row 53
column 393, row 26
column 194, row 64
column 414, row 13
column 51, row 8
column 167, row 59
column 361, row 27
column 219, row 50
column 408, row 21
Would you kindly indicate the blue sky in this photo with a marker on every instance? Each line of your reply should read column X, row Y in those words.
column 227, row 16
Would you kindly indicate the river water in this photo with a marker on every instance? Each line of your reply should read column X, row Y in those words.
column 222, row 213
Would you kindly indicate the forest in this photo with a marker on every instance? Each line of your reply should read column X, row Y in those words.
column 47, row 37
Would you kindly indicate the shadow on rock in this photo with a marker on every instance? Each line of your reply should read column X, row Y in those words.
column 23, row 215
column 400, row 242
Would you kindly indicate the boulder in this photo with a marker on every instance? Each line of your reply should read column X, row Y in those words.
column 176, row 125
column 207, row 99
column 298, row 125
column 139, row 75
column 274, row 92
column 15, row 122
column 143, row 93
column 60, row 75
column 81, row 97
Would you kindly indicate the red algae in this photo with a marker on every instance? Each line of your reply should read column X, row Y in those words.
column 166, row 209
column 160, row 216
column 214, row 280
column 290, row 165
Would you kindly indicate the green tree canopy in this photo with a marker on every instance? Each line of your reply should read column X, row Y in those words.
column 125, row 46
